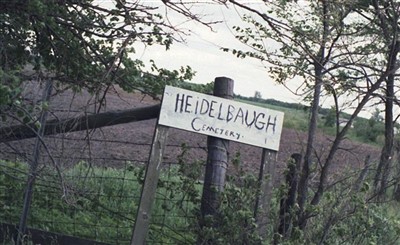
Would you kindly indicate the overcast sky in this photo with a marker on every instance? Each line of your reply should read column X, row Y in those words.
column 201, row 51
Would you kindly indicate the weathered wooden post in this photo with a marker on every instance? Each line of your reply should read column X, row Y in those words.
column 217, row 158
column 218, row 117
column 265, row 184
column 288, row 202
column 148, row 193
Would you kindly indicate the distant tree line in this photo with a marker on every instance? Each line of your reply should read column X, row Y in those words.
column 296, row 106
column 200, row 88
column 365, row 129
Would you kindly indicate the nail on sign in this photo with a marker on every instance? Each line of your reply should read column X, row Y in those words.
column 221, row 118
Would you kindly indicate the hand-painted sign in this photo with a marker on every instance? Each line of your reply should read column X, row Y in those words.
column 221, row 118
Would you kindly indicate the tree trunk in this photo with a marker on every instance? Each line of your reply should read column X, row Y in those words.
column 335, row 145
column 396, row 190
column 390, row 70
column 319, row 62
column 382, row 174
column 305, row 173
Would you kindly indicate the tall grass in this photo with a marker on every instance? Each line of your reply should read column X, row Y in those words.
column 95, row 203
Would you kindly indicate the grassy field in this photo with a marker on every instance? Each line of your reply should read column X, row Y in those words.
column 295, row 119
column 98, row 203
column 298, row 119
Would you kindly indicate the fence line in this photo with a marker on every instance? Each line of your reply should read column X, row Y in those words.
column 89, row 204
column 102, row 175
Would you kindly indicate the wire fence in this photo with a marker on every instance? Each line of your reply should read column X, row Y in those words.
column 88, row 185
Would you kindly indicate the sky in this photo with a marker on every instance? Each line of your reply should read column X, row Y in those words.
column 202, row 52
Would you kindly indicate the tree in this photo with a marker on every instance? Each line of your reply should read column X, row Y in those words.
column 331, row 118
column 80, row 44
column 369, row 129
column 75, row 45
column 307, row 48
column 341, row 49
column 336, row 48
column 387, row 15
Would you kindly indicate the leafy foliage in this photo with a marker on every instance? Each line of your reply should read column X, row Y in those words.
column 101, row 205
column 86, row 207
column 80, row 44
column 330, row 118
column 369, row 130
column 234, row 223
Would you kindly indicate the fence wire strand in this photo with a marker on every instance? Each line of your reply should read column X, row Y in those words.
column 102, row 189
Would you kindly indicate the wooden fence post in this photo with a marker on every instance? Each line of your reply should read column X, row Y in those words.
column 287, row 203
column 217, row 159
column 148, row 193
column 265, row 180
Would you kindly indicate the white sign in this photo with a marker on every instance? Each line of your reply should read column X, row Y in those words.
column 221, row 118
